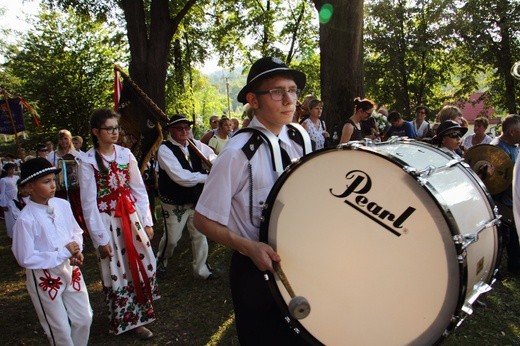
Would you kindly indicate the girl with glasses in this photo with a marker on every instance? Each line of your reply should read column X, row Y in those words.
column 115, row 205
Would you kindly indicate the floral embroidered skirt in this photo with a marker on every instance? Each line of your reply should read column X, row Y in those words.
column 126, row 312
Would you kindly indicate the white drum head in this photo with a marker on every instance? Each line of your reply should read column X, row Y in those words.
column 379, row 266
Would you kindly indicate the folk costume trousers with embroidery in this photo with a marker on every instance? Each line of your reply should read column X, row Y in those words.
column 176, row 218
column 61, row 300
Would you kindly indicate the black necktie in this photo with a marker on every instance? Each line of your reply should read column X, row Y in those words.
column 286, row 160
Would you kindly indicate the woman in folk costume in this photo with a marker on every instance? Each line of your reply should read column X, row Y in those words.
column 67, row 189
column 120, row 224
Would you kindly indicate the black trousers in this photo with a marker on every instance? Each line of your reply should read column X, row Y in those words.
column 258, row 319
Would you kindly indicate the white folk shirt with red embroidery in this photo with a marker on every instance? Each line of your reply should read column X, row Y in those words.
column 98, row 230
column 41, row 233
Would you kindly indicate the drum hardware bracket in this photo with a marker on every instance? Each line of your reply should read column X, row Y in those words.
column 467, row 308
column 469, row 238
column 289, row 321
column 423, row 174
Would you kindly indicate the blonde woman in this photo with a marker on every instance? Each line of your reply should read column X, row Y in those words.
column 450, row 112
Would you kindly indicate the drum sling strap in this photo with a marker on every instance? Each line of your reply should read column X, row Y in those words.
column 296, row 133
column 279, row 156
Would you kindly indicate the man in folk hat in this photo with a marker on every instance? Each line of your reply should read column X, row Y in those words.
column 230, row 206
column 181, row 178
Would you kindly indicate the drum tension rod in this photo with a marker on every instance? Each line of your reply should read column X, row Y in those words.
column 423, row 174
column 470, row 238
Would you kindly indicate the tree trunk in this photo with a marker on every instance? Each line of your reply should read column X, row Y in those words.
column 150, row 44
column 341, row 47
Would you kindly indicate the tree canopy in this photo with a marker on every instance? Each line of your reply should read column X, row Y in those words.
column 64, row 68
column 400, row 53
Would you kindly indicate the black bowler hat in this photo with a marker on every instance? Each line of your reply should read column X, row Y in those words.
column 269, row 67
column 35, row 168
column 177, row 118
column 446, row 126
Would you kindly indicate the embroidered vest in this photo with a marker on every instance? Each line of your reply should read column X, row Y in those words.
column 172, row 193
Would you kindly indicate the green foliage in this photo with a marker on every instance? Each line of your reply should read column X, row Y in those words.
column 408, row 47
column 311, row 67
column 437, row 51
column 64, row 66
column 490, row 37
column 239, row 33
column 246, row 30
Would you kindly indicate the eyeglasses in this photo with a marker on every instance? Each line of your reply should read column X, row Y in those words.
column 278, row 94
column 454, row 135
column 182, row 128
column 111, row 130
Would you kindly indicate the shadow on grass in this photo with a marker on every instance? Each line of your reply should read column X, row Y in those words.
column 198, row 312
column 190, row 312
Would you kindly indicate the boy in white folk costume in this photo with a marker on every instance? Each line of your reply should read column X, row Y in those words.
column 48, row 242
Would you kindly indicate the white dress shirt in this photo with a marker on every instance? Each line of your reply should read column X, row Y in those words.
column 169, row 163
column 226, row 195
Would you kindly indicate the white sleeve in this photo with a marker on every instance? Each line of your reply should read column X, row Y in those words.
column 3, row 193
column 14, row 210
column 169, row 163
column 516, row 195
column 76, row 230
column 88, row 192
column 25, row 252
column 206, row 151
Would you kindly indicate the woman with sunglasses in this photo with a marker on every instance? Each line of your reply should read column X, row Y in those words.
column 449, row 137
column 351, row 131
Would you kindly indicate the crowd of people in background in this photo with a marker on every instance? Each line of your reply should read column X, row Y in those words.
column 110, row 199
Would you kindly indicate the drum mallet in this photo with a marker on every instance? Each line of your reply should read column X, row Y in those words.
column 299, row 306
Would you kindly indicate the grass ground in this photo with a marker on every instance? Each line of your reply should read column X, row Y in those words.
column 196, row 312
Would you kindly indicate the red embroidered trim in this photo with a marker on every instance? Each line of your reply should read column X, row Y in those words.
column 50, row 283
column 76, row 279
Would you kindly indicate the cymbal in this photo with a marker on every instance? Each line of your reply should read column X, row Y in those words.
column 492, row 165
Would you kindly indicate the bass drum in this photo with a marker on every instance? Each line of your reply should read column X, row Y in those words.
column 390, row 243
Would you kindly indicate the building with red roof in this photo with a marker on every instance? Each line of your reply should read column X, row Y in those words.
column 476, row 107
